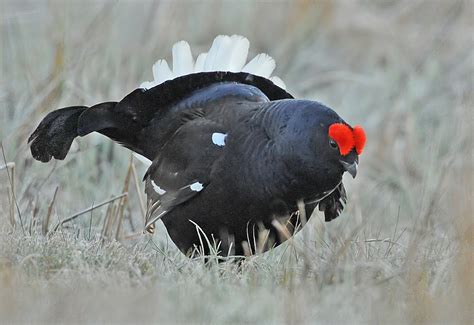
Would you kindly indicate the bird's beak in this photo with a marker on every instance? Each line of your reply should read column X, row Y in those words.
column 351, row 168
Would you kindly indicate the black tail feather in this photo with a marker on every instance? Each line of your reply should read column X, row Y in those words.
column 99, row 117
column 54, row 136
column 114, row 124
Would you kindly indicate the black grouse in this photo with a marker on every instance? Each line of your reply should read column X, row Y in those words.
column 236, row 161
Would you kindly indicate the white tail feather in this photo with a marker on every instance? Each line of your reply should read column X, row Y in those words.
column 227, row 53
column 162, row 72
column 199, row 66
column 216, row 57
column 239, row 53
column 261, row 65
column 147, row 85
column 222, row 59
column 183, row 62
column 277, row 81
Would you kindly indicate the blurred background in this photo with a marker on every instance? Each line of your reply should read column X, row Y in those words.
column 401, row 69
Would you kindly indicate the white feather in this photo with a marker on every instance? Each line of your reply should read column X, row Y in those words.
column 183, row 62
column 157, row 188
column 218, row 139
column 162, row 72
column 211, row 54
column 222, row 59
column 147, row 85
column 227, row 53
column 239, row 53
column 261, row 65
column 277, row 81
column 196, row 187
column 199, row 66
column 215, row 58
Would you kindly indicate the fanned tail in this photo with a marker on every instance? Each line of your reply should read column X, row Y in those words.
column 227, row 53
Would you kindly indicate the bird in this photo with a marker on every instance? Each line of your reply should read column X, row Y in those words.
column 236, row 164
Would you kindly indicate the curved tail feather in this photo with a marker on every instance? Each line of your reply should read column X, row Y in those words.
column 54, row 135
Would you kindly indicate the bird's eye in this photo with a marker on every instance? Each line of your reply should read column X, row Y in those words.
column 333, row 144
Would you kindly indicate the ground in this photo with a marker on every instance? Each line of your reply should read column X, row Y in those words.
column 400, row 253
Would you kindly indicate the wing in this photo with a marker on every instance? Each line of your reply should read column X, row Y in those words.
column 333, row 204
column 184, row 165
column 188, row 140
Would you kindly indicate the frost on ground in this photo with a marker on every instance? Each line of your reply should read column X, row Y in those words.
column 400, row 253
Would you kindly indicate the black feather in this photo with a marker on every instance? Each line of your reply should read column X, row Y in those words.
column 54, row 136
column 99, row 117
column 333, row 204
column 142, row 104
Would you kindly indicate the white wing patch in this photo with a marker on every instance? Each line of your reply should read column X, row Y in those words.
column 219, row 139
column 157, row 188
column 227, row 53
column 196, row 187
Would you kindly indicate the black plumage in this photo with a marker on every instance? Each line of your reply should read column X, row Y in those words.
column 231, row 152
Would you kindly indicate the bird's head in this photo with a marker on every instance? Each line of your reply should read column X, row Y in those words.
column 347, row 144
column 327, row 146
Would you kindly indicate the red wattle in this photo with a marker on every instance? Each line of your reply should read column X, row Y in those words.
column 342, row 134
column 359, row 139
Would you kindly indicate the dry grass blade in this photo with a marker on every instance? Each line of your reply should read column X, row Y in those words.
column 11, row 180
column 139, row 191
column 34, row 215
column 282, row 230
column 108, row 214
column 48, row 214
column 386, row 240
column 107, row 231
column 120, row 209
column 212, row 248
column 9, row 165
column 133, row 236
column 123, row 202
column 74, row 216
column 263, row 236
column 302, row 217
column 12, row 207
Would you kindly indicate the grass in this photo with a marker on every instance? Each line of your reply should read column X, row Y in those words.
column 400, row 253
